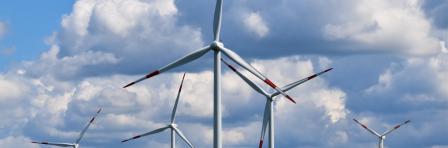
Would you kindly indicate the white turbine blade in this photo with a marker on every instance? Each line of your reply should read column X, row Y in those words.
column 183, row 137
column 87, row 126
column 294, row 84
column 186, row 59
column 367, row 128
column 54, row 144
column 240, row 61
column 396, row 127
column 217, row 20
column 148, row 133
column 251, row 84
column 173, row 114
column 265, row 123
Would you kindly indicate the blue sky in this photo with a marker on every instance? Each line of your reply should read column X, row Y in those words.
column 62, row 60
column 28, row 24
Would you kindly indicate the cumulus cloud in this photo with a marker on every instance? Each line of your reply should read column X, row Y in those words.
column 117, row 36
column 17, row 141
column 103, row 44
column 398, row 25
column 255, row 23
column 60, row 108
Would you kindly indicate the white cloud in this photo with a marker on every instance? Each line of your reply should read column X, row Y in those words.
column 17, row 141
column 392, row 25
column 423, row 75
column 255, row 23
column 104, row 36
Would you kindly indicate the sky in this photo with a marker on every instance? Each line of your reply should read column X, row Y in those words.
column 62, row 60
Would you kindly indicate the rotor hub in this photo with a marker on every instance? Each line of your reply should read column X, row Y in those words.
column 173, row 125
column 216, row 45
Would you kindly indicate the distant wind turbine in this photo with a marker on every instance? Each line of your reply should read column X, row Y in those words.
column 76, row 144
column 217, row 47
column 382, row 136
column 172, row 125
column 268, row 117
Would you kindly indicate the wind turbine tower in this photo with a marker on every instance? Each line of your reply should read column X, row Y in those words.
column 217, row 47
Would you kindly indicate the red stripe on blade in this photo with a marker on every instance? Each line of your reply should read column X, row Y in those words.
column 328, row 70
column 91, row 120
column 152, row 74
column 364, row 126
column 311, row 77
column 136, row 137
column 261, row 144
column 269, row 82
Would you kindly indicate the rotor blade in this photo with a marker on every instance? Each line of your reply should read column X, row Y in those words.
column 186, row 59
column 396, row 127
column 173, row 114
column 87, row 126
column 217, row 20
column 183, row 137
column 367, row 128
column 294, row 84
column 265, row 123
column 240, row 61
column 251, row 84
column 54, row 144
column 148, row 133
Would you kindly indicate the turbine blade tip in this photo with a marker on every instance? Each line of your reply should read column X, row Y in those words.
column 130, row 84
column 328, row 69
column 292, row 100
column 260, row 144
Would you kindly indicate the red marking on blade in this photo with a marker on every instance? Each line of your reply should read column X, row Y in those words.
column 269, row 82
column 311, row 77
column 261, row 144
column 99, row 111
column 231, row 67
column 33, row 142
column 152, row 74
column 44, row 142
column 407, row 122
column 289, row 98
column 364, row 126
column 91, row 120
column 136, row 137
column 328, row 70
column 398, row 126
column 129, row 84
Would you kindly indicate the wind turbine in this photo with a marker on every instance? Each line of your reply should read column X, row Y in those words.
column 268, row 117
column 76, row 144
column 217, row 47
column 172, row 125
column 382, row 136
